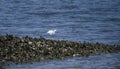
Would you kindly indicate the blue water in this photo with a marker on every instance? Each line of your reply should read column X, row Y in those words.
column 74, row 20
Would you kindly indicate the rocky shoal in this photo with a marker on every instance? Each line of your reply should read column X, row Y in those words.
column 28, row 49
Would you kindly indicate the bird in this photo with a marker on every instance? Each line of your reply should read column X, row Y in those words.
column 51, row 32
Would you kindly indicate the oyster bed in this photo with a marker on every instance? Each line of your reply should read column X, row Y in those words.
column 28, row 49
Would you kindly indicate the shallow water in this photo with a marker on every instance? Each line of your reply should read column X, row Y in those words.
column 74, row 20
column 103, row 61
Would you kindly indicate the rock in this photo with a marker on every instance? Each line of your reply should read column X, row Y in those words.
column 28, row 49
column 2, row 64
column 29, row 43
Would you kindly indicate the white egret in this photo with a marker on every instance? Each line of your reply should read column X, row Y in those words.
column 51, row 32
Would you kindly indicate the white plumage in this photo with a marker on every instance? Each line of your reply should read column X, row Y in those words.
column 51, row 32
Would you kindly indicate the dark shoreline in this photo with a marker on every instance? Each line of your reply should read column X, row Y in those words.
column 28, row 49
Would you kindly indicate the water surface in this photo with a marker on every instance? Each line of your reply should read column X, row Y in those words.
column 74, row 20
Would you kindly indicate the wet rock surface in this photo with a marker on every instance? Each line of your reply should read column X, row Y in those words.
column 2, row 64
column 28, row 49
